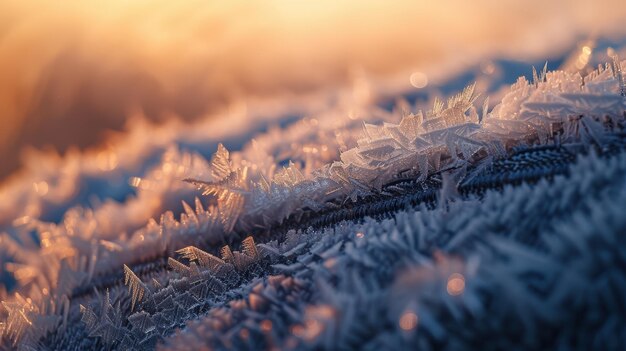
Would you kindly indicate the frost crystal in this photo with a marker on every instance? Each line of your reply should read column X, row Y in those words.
column 206, row 260
column 135, row 286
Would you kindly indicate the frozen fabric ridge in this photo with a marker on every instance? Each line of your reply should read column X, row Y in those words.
column 311, row 286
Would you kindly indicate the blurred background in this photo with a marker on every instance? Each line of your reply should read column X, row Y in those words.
column 71, row 72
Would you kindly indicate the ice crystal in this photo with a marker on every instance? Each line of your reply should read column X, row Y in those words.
column 135, row 286
column 163, row 307
column 220, row 164
column 619, row 75
column 206, row 260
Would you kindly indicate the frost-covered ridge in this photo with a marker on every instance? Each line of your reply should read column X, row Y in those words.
column 466, row 280
column 294, row 293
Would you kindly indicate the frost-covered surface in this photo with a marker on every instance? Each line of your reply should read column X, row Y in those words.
column 536, row 257
column 449, row 279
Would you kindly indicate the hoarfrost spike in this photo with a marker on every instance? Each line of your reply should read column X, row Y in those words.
column 199, row 207
column 249, row 248
column 227, row 254
column 189, row 211
column 617, row 72
column 135, row 286
column 205, row 259
column 178, row 267
column 485, row 110
column 88, row 317
column 220, row 163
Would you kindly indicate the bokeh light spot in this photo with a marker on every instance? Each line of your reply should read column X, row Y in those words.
column 408, row 321
column 419, row 80
column 456, row 284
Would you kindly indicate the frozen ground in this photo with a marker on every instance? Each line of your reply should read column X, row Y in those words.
column 370, row 222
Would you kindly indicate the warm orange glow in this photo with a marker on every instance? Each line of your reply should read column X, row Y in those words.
column 488, row 67
column 135, row 181
column 107, row 160
column 21, row 272
column 610, row 52
column 266, row 325
column 297, row 330
column 419, row 80
column 313, row 329
column 583, row 58
column 408, row 321
column 41, row 188
column 456, row 284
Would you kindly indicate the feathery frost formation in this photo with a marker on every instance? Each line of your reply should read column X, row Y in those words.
column 465, row 280
column 536, row 256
